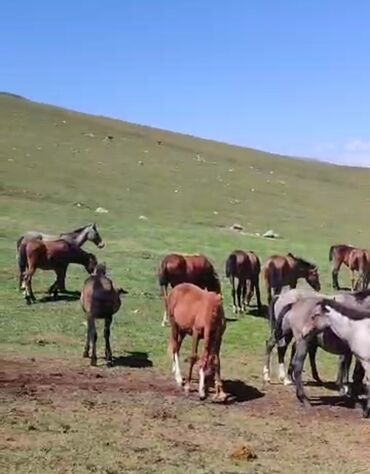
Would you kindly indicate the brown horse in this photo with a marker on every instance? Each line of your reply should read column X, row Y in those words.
column 99, row 300
column 50, row 255
column 279, row 271
column 198, row 313
column 339, row 254
column 245, row 267
column 359, row 261
column 197, row 269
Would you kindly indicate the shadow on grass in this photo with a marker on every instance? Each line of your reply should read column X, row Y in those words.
column 138, row 360
column 334, row 401
column 327, row 385
column 66, row 296
column 259, row 312
column 240, row 392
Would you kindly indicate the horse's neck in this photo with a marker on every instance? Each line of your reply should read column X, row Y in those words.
column 77, row 238
column 341, row 326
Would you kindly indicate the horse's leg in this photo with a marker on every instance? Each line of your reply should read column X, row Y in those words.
column 334, row 275
column 233, row 293
column 87, row 345
column 239, row 295
column 366, row 410
column 250, row 291
column 312, row 350
column 258, row 293
column 244, row 292
column 61, row 279
column 219, row 391
column 93, row 338
column 193, row 359
column 165, row 315
column 282, row 348
column 108, row 349
column 357, row 386
column 343, row 373
column 353, row 279
column 28, row 292
column 269, row 293
column 176, row 340
column 270, row 344
column 298, row 362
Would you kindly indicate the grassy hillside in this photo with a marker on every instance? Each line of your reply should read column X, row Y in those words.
column 58, row 166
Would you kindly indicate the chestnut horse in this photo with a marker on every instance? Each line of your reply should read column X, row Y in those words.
column 50, row 255
column 358, row 261
column 339, row 254
column 279, row 271
column 245, row 267
column 198, row 313
column 197, row 269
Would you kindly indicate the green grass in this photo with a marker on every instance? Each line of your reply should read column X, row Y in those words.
column 191, row 191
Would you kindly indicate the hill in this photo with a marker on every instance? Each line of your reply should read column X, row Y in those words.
column 163, row 192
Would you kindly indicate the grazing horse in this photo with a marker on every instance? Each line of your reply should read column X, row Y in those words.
column 350, row 324
column 339, row 254
column 279, row 271
column 99, row 300
column 197, row 269
column 50, row 255
column 198, row 313
column 78, row 237
column 358, row 261
column 245, row 267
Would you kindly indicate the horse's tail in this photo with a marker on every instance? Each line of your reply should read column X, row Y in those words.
column 213, row 283
column 278, row 331
column 22, row 259
column 331, row 252
column 230, row 265
column 271, row 312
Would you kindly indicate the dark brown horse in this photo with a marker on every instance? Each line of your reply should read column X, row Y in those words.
column 339, row 254
column 279, row 271
column 50, row 255
column 245, row 267
column 197, row 269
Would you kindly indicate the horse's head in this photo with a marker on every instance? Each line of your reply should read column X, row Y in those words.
column 318, row 320
column 94, row 236
column 313, row 279
column 91, row 263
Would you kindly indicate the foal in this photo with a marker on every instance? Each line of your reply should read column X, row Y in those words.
column 198, row 313
column 99, row 300
column 245, row 267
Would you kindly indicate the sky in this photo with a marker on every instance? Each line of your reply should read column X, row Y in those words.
column 286, row 76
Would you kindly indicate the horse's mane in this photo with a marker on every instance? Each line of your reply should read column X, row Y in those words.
column 76, row 231
column 361, row 295
column 353, row 312
column 302, row 261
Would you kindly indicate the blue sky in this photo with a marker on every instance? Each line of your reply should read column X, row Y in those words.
column 291, row 77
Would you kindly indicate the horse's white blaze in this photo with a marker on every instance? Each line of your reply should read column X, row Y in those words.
column 178, row 376
column 281, row 372
column 266, row 374
column 202, row 392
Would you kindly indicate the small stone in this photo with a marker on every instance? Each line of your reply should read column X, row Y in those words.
column 143, row 218
column 237, row 227
column 101, row 210
column 270, row 234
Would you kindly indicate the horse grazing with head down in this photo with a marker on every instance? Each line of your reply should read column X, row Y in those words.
column 77, row 237
column 99, row 300
column 244, row 267
column 54, row 255
column 279, row 271
column 197, row 269
column 198, row 313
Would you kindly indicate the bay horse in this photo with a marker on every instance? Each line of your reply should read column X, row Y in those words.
column 99, row 300
column 197, row 269
column 50, row 255
column 245, row 267
column 77, row 237
column 279, row 271
column 339, row 254
column 198, row 313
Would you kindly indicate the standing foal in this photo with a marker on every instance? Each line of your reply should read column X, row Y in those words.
column 100, row 300
column 198, row 313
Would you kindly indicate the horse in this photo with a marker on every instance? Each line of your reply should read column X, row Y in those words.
column 291, row 321
column 352, row 325
column 279, row 271
column 198, row 313
column 78, row 237
column 245, row 267
column 50, row 255
column 197, row 269
column 359, row 261
column 339, row 254
column 99, row 300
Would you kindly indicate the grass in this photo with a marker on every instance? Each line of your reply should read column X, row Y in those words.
column 190, row 191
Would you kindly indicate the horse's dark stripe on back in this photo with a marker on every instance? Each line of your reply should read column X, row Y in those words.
column 350, row 311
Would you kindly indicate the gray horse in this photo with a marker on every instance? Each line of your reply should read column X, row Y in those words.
column 77, row 237
column 350, row 323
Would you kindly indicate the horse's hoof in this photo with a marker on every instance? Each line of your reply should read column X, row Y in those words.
column 109, row 363
column 179, row 381
column 202, row 396
column 187, row 390
column 319, row 382
column 94, row 362
column 28, row 301
column 287, row 382
column 366, row 413
column 85, row 354
column 305, row 403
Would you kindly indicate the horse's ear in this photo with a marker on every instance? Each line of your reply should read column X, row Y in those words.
column 121, row 291
column 290, row 255
column 94, row 225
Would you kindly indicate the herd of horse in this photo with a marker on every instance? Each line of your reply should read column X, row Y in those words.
column 340, row 323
